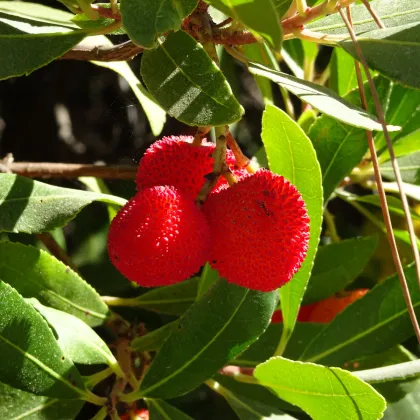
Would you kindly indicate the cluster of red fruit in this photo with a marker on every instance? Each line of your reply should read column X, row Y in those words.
column 325, row 310
column 255, row 233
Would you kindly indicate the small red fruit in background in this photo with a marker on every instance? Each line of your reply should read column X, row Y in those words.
column 260, row 231
column 175, row 161
column 159, row 237
column 327, row 309
column 141, row 414
column 303, row 315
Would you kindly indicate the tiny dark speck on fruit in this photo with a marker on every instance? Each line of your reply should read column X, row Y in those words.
column 67, row 270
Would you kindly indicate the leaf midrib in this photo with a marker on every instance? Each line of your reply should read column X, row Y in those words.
column 199, row 353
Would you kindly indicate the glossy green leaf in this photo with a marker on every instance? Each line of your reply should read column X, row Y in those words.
column 251, row 402
column 220, row 325
column 342, row 72
column 392, row 13
column 207, row 279
column 16, row 36
column 410, row 190
column 173, row 300
column 16, row 404
column 409, row 167
column 30, row 206
column 153, row 340
column 37, row 12
column 187, row 83
column 402, row 43
column 290, row 154
column 259, row 16
column 322, row 392
column 265, row 346
column 161, row 410
column 145, row 20
column 154, row 113
column 37, row 274
column 340, row 148
column 372, row 324
column 403, row 146
column 35, row 362
column 321, row 98
column 337, row 265
column 77, row 340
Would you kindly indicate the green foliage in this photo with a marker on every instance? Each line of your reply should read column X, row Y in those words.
column 145, row 20
column 260, row 17
column 32, row 207
column 324, row 393
column 161, row 410
column 36, row 274
column 187, row 84
column 202, row 343
column 290, row 153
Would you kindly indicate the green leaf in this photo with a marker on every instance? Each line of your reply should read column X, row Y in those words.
column 402, row 43
column 37, row 12
column 187, row 83
column 220, row 325
column 343, row 72
column 145, row 20
column 322, row 392
column 35, row 273
column 173, row 300
column 290, row 153
column 403, row 146
column 407, row 408
column 372, row 324
column 161, row 410
column 337, row 265
column 321, row 98
column 154, row 113
column 266, row 345
column 410, row 190
column 208, row 278
column 16, row 404
column 35, row 362
column 77, row 340
column 153, row 340
column 340, row 148
column 30, row 206
column 259, row 16
column 251, row 402
column 392, row 13
column 83, row 21
column 17, row 36
column 283, row 5
column 409, row 167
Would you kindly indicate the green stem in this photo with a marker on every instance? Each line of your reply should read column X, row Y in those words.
column 301, row 7
column 101, row 414
column 284, row 339
column 91, row 381
column 390, row 373
column 331, row 229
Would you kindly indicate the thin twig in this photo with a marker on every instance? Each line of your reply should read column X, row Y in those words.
column 381, row 191
column 69, row 170
column 373, row 13
column 51, row 244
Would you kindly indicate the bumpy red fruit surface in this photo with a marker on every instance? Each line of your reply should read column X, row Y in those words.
column 159, row 237
column 326, row 310
column 175, row 161
column 260, row 231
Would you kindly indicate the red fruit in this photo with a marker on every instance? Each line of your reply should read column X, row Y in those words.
column 326, row 310
column 260, row 231
column 141, row 414
column 303, row 315
column 175, row 161
column 159, row 237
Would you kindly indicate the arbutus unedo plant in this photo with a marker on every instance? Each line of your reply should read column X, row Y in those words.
column 280, row 285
